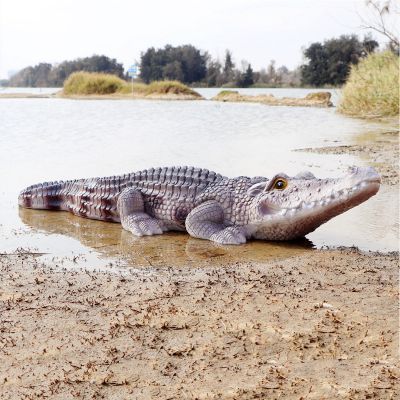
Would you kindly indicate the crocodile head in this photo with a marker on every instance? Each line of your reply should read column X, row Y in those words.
column 285, row 208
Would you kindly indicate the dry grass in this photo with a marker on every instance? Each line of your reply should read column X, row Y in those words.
column 88, row 83
column 372, row 90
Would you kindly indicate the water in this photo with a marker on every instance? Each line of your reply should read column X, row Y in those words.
column 30, row 90
column 52, row 139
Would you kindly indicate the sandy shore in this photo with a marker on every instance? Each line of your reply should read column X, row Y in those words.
column 320, row 325
column 382, row 152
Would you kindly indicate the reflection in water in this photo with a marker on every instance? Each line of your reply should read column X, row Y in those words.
column 170, row 249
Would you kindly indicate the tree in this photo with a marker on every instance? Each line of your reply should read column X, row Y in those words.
column 228, row 71
column 246, row 79
column 329, row 63
column 378, row 21
column 173, row 71
column 46, row 75
column 36, row 76
column 271, row 72
column 184, row 63
column 316, row 71
column 214, row 73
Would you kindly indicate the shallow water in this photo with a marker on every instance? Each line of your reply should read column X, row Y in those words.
column 52, row 139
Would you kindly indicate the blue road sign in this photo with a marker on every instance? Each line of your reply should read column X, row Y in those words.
column 133, row 70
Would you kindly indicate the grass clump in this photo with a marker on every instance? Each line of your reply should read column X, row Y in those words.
column 224, row 93
column 159, row 88
column 372, row 89
column 86, row 83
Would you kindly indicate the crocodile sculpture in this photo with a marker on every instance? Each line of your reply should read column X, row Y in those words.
column 206, row 204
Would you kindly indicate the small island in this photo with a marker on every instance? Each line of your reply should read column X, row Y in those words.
column 319, row 99
column 81, row 85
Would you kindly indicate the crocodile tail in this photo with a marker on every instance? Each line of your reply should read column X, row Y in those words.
column 42, row 196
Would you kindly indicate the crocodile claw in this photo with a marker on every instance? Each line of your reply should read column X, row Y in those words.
column 230, row 235
column 143, row 226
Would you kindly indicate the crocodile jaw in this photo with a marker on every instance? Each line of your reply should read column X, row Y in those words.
column 287, row 223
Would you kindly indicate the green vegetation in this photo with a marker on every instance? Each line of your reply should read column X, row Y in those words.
column 329, row 63
column 183, row 63
column 224, row 93
column 158, row 88
column 169, row 87
column 86, row 83
column 89, row 83
column 246, row 79
column 372, row 89
column 47, row 75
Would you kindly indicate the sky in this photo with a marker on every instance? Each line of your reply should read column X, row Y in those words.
column 254, row 30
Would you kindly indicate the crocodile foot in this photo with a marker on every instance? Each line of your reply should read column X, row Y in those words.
column 229, row 235
column 141, row 224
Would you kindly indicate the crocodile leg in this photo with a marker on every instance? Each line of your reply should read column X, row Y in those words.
column 206, row 222
column 130, row 206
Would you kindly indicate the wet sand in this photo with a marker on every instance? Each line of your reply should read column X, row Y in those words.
column 382, row 152
column 319, row 325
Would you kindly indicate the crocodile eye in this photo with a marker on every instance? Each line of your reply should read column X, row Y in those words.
column 280, row 184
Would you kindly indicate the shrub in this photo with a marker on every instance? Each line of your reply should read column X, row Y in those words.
column 87, row 83
column 224, row 93
column 372, row 89
column 169, row 87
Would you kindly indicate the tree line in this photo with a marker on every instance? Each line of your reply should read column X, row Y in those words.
column 47, row 75
column 326, row 63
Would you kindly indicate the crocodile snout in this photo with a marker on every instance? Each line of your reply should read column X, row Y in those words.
column 365, row 174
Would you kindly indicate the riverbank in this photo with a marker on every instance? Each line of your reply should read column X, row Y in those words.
column 382, row 152
column 319, row 325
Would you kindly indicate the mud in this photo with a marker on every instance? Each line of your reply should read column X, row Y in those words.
column 320, row 325
column 381, row 151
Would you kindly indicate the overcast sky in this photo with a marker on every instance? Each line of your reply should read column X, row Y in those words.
column 34, row 31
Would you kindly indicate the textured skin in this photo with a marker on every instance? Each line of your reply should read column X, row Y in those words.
column 206, row 204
